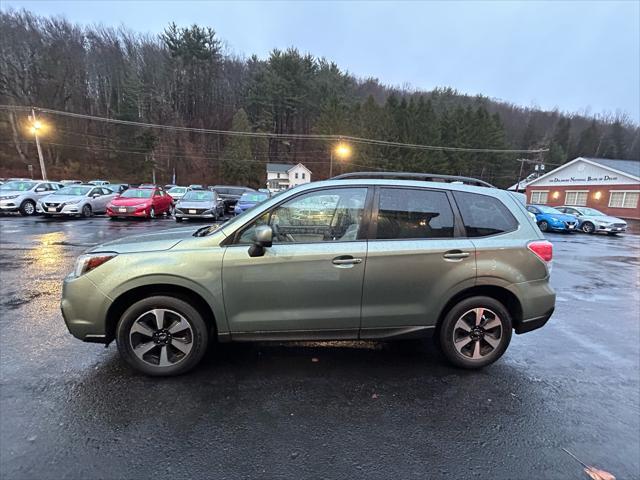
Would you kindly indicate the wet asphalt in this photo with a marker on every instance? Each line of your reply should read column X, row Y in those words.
column 319, row 410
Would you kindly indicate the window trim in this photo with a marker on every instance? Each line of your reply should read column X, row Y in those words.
column 373, row 226
column 538, row 191
column 566, row 201
column 624, row 196
column 232, row 239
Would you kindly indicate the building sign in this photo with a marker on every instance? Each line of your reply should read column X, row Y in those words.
column 583, row 180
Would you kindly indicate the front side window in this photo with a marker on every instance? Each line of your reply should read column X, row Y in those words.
column 483, row 215
column 333, row 215
column 411, row 213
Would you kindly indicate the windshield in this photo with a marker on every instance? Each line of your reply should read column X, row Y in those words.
column 544, row 209
column 18, row 185
column 137, row 193
column 590, row 211
column 73, row 191
column 253, row 197
column 177, row 190
column 198, row 196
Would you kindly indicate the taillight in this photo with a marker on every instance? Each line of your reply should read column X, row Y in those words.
column 543, row 249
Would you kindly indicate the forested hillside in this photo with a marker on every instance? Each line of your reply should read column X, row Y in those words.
column 185, row 77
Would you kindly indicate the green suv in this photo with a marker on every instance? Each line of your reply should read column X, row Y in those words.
column 366, row 256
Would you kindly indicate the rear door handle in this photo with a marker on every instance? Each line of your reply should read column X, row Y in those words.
column 346, row 260
column 455, row 255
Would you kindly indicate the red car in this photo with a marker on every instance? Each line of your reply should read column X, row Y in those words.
column 141, row 202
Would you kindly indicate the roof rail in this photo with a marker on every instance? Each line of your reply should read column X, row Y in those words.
column 427, row 177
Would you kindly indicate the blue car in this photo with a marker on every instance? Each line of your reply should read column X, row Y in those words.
column 249, row 200
column 551, row 220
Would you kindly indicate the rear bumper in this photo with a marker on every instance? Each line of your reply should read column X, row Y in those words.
column 533, row 323
column 84, row 309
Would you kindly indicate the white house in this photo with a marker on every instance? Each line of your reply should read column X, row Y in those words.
column 281, row 176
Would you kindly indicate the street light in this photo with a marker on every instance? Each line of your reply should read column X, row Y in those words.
column 37, row 126
column 342, row 151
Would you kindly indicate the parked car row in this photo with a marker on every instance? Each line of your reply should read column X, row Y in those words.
column 118, row 200
column 569, row 218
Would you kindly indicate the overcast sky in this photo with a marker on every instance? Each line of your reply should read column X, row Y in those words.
column 575, row 56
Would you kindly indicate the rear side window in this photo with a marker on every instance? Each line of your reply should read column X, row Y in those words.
column 412, row 213
column 483, row 215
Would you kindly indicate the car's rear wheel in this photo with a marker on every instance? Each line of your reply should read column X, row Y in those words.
column 178, row 219
column 544, row 226
column 27, row 208
column 86, row 211
column 588, row 227
column 475, row 332
column 162, row 336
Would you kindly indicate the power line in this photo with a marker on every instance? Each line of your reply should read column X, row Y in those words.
column 286, row 136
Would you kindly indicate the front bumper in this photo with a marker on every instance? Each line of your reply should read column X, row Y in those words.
column 9, row 205
column 116, row 212
column 185, row 214
column 84, row 309
column 70, row 209
column 611, row 229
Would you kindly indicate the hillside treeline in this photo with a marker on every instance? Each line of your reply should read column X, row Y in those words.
column 186, row 77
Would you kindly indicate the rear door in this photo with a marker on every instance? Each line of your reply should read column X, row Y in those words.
column 417, row 255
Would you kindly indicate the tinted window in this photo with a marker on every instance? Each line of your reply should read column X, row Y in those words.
column 409, row 213
column 198, row 196
column 484, row 215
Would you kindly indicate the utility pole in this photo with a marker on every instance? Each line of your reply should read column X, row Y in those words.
column 34, row 128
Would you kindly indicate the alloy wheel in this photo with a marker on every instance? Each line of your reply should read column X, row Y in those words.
column 588, row 228
column 477, row 333
column 161, row 337
column 29, row 208
column 152, row 213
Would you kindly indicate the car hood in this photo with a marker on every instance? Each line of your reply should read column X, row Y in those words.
column 129, row 202
column 148, row 242
column 602, row 218
column 61, row 198
column 561, row 216
column 246, row 204
column 186, row 204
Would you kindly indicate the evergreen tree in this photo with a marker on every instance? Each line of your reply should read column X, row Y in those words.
column 238, row 166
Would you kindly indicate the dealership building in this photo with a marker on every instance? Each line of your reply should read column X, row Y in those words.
column 611, row 186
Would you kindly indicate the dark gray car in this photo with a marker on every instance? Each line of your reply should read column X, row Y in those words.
column 199, row 204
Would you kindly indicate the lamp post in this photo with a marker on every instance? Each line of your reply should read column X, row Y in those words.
column 36, row 126
column 342, row 151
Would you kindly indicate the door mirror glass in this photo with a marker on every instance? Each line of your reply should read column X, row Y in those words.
column 40, row 189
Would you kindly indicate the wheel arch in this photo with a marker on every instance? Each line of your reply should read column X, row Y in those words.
column 503, row 295
column 126, row 299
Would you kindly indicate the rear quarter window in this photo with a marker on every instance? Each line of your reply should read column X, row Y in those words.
column 484, row 215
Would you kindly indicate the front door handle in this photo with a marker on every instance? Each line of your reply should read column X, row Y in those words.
column 346, row 260
column 455, row 255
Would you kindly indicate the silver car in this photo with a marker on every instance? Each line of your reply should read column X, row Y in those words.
column 84, row 200
column 178, row 192
column 591, row 220
column 23, row 195
column 199, row 204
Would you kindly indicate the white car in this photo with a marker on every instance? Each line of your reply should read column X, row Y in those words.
column 178, row 192
column 23, row 195
column 83, row 200
column 591, row 220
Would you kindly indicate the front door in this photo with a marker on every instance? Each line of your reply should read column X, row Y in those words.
column 310, row 280
column 415, row 259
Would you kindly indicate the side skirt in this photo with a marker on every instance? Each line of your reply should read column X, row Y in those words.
column 395, row 333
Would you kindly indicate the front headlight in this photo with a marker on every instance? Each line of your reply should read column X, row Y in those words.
column 140, row 205
column 9, row 197
column 87, row 262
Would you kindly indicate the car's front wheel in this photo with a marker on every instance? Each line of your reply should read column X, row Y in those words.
column 475, row 332
column 588, row 227
column 162, row 336
column 27, row 208
column 544, row 226
column 86, row 211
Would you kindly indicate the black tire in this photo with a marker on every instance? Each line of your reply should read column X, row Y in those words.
column 87, row 211
column 588, row 227
column 113, row 218
column 179, row 220
column 152, row 213
column 544, row 226
column 27, row 208
column 612, row 234
column 461, row 309
column 200, row 336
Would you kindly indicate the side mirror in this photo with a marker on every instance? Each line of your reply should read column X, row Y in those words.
column 95, row 195
column 264, row 239
column 40, row 189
